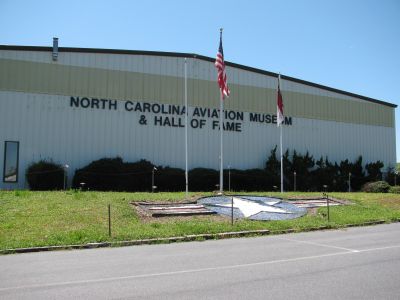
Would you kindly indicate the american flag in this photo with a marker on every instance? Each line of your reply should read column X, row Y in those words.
column 220, row 65
column 279, row 101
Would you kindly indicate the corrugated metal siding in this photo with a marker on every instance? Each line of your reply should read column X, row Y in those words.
column 48, row 128
column 34, row 109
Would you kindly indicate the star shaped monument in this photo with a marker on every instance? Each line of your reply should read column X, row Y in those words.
column 250, row 208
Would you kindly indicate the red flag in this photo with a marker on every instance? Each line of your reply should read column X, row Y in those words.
column 220, row 65
column 279, row 100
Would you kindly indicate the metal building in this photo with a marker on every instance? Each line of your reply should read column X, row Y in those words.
column 73, row 106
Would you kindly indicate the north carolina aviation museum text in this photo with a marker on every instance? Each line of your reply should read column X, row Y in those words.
column 168, row 115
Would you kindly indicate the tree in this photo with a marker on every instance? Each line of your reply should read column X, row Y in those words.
column 357, row 174
column 303, row 164
column 272, row 168
column 374, row 171
column 324, row 174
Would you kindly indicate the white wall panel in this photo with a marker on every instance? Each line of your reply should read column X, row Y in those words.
column 48, row 128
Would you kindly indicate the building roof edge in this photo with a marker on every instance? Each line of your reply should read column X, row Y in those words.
column 196, row 56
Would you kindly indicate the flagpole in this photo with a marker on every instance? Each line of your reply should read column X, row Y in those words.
column 280, row 136
column 186, row 136
column 281, row 159
column 224, row 90
column 221, row 130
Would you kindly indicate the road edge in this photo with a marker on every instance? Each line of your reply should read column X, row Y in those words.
column 187, row 238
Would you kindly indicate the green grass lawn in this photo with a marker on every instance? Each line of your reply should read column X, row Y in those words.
column 72, row 217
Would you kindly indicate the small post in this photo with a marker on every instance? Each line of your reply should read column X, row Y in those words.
column 294, row 185
column 327, row 206
column 232, row 210
column 152, row 179
column 327, row 201
column 395, row 178
column 349, row 182
column 229, row 177
column 109, row 220
column 65, row 176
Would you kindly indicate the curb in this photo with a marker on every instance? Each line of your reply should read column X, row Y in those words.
column 187, row 238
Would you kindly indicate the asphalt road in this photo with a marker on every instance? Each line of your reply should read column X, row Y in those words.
column 357, row 263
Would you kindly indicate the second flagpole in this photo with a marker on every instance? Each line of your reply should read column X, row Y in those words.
column 280, row 120
column 186, row 136
column 221, row 130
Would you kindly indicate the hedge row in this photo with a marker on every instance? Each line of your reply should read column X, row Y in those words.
column 312, row 175
column 113, row 174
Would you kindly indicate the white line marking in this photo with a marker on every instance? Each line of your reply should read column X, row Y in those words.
column 66, row 283
column 379, row 248
column 318, row 244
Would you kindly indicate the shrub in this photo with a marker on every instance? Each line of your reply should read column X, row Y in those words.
column 391, row 177
column 112, row 174
column 45, row 175
column 246, row 180
column 203, row 179
column 394, row 189
column 169, row 179
column 376, row 187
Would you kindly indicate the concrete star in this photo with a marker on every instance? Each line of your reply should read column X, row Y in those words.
column 250, row 208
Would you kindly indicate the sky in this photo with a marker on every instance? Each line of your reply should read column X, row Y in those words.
column 351, row 45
